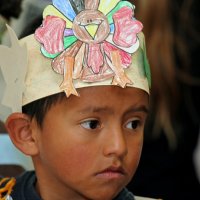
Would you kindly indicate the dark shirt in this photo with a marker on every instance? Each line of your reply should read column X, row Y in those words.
column 25, row 189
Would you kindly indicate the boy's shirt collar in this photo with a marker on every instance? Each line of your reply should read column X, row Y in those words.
column 25, row 189
column 125, row 195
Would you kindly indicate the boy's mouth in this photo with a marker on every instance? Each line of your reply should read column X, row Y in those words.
column 112, row 172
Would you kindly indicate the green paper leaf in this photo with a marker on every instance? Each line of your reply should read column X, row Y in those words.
column 146, row 66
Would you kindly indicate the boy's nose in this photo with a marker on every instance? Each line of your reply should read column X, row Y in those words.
column 115, row 144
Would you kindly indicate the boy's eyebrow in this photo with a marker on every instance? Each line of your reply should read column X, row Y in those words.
column 140, row 108
column 97, row 110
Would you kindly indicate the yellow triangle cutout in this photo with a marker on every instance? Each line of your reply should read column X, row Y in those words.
column 92, row 29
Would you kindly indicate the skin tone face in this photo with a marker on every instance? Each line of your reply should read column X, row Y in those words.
column 89, row 146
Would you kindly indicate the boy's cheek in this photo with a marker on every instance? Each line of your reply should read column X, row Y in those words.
column 80, row 158
column 134, row 155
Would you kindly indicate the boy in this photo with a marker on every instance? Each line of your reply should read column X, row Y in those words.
column 82, row 123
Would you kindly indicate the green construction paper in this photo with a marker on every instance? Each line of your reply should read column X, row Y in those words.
column 146, row 65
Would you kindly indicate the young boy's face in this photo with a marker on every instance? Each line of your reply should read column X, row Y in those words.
column 90, row 146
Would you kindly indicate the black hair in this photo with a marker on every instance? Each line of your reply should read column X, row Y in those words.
column 38, row 109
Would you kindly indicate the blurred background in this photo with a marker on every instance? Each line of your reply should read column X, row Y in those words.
column 170, row 162
column 169, row 166
column 19, row 14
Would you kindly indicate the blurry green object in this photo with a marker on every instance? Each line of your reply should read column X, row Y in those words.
column 2, row 26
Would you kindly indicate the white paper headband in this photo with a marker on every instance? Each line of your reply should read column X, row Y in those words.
column 85, row 48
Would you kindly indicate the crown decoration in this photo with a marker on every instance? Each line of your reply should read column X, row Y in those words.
column 90, row 40
column 90, row 43
column 13, row 67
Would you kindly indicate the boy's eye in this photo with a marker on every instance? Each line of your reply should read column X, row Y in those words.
column 133, row 124
column 90, row 124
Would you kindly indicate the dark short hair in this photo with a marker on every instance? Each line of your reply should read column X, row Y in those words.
column 38, row 109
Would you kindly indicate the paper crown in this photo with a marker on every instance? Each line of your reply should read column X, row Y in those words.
column 80, row 44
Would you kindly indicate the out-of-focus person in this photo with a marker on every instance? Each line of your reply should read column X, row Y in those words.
column 197, row 158
column 31, row 9
column 167, row 169
column 8, row 9
column 2, row 127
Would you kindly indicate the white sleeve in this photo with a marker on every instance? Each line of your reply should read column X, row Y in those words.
column 144, row 198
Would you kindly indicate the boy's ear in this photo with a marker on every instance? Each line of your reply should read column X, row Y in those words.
column 19, row 127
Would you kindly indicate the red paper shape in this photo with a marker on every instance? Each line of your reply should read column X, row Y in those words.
column 126, row 28
column 51, row 34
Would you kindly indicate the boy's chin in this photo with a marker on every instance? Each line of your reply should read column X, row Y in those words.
column 102, row 196
column 108, row 193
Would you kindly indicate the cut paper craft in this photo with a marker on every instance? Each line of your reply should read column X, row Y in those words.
column 51, row 33
column 120, row 5
column 106, row 6
column 120, row 77
column 66, row 8
column 67, row 55
column 92, row 30
column 52, row 11
column 125, row 57
column 105, row 32
column 13, row 63
column 79, row 62
column 68, row 32
column 95, row 59
column 126, row 28
column 130, row 50
column 91, row 4
column 67, row 85
column 58, row 63
column 89, row 77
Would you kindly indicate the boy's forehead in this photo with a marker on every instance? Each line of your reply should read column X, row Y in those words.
column 108, row 90
column 68, row 52
column 106, row 99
